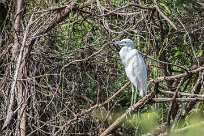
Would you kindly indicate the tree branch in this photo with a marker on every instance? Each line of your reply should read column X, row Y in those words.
column 135, row 107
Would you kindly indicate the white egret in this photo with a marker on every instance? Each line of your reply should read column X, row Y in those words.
column 135, row 67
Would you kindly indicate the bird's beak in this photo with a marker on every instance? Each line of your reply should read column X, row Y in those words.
column 116, row 42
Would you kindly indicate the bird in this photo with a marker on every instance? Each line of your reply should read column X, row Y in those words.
column 135, row 67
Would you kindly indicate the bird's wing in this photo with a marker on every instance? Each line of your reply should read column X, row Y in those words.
column 141, row 73
column 136, row 70
column 132, row 66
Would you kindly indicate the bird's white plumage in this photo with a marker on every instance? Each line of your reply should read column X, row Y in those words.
column 135, row 67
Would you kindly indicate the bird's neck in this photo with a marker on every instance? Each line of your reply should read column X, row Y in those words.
column 124, row 53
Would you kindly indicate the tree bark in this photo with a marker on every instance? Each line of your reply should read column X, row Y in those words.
column 17, row 91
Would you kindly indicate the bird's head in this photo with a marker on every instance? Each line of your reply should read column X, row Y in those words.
column 125, row 42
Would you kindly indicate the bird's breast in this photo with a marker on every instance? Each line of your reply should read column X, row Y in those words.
column 127, row 55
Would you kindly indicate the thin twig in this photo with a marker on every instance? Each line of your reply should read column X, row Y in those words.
column 165, row 17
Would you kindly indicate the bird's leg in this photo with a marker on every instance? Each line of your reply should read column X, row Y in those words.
column 132, row 95
column 134, row 100
column 135, row 94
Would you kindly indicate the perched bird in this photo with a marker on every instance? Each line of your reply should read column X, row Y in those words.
column 135, row 67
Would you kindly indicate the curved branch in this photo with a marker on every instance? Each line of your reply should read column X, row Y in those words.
column 160, row 79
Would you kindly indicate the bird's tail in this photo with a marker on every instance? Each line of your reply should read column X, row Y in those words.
column 144, row 90
column 143, row 93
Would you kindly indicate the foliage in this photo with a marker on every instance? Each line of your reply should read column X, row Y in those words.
column 71, row 68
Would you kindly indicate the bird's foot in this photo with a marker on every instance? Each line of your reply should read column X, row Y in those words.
column 130, row 109
column 128, row 112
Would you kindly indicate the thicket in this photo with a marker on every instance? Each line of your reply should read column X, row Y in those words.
column 60, row 74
